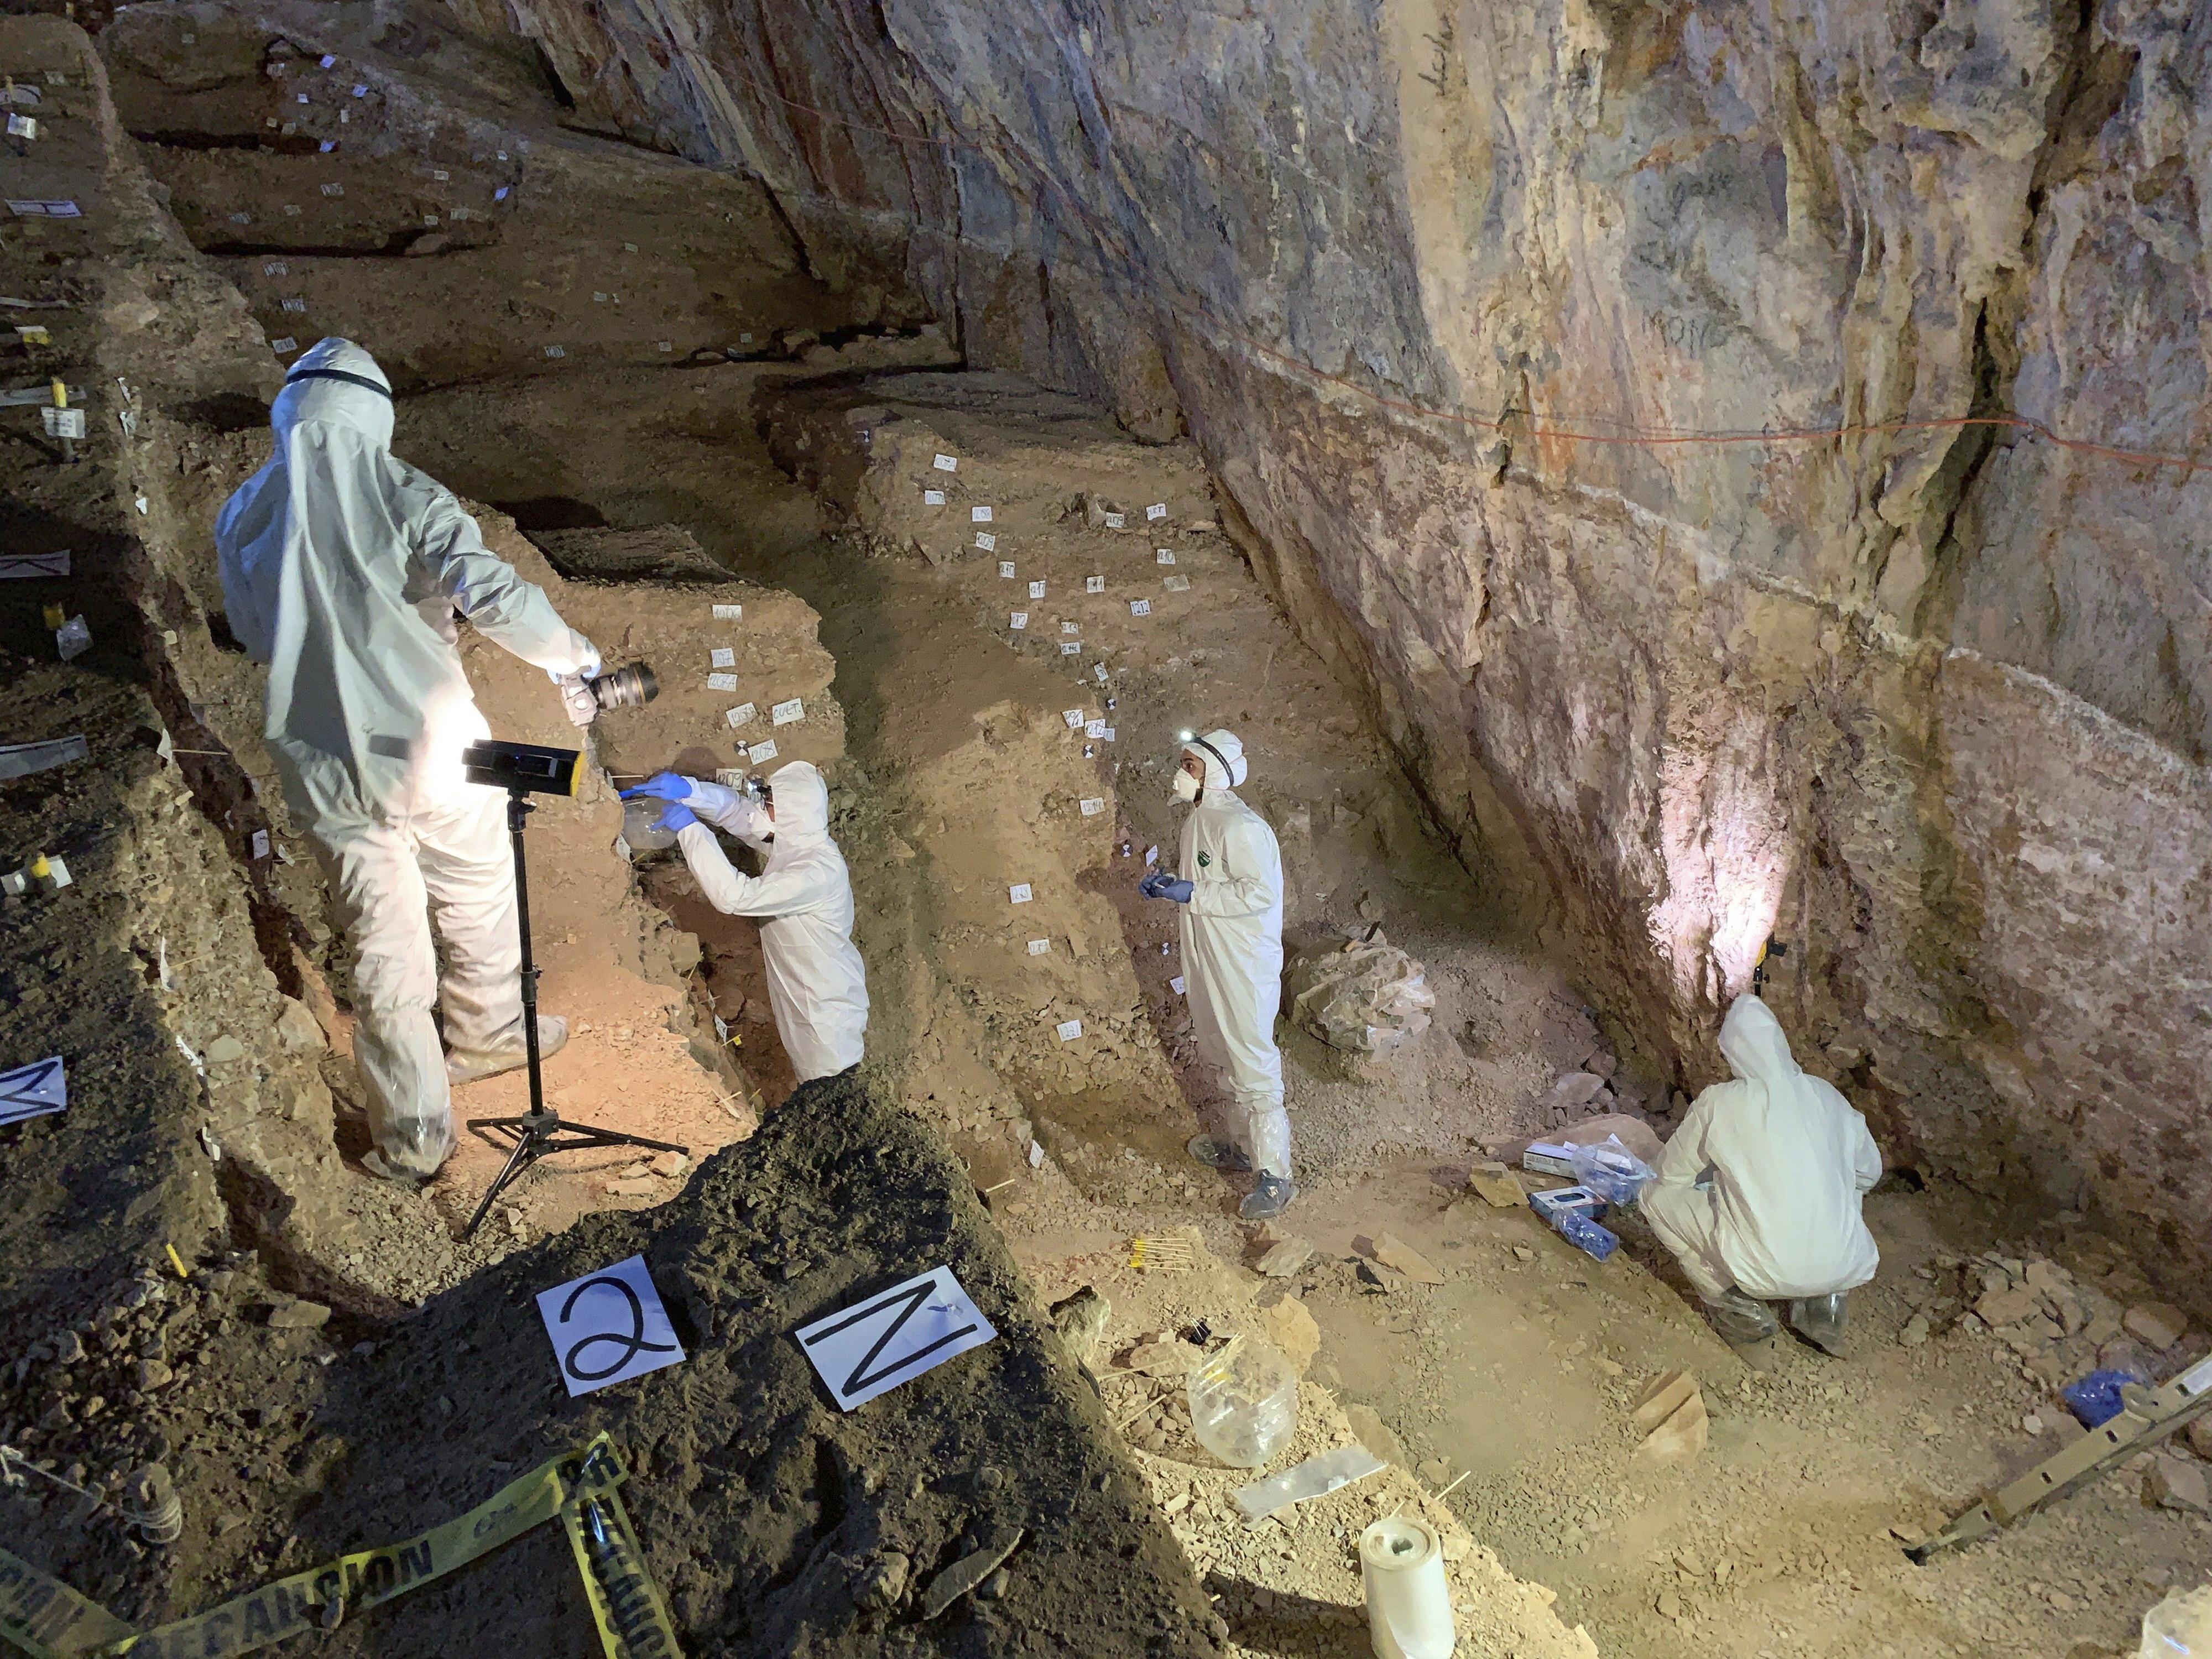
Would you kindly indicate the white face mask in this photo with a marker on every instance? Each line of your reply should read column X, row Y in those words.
column 1185, row 786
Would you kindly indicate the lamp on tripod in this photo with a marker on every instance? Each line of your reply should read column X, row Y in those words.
column 524, row 769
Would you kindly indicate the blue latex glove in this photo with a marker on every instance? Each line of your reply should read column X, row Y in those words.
column 676, row 815
column 1160, row 884
column 662, row 786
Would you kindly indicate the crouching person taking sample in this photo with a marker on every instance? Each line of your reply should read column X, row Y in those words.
column 802, row 898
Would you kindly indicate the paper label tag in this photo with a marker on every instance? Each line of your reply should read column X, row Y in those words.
column 1140, row 607
column 1006, row 568
column 979, row 515
column 723, row 656
column 762, row 751
column 1176, row 985
column 276, row 268
column 1072, row 716
column 1107, row 732
column 1070, row 647
column 1156, row 512
column 1018, row 893
column 1094, row 728
column 788, row 713
column 63, row 422
column 1068, row 1029
column 608, row 1327
column 1094, row 584
column 1036, row 1155
column 1152, row 856
column 331, row 190
column 1163, row 556
column 552, row 350
column 874, row 1347
column 1036, row 590
column 729, row 613
column 1018, row 619
column 286, row 342
column 1093, row 806
column 23, row 126
column 1114, row 520
column 741, row 713
column 1039, row 947
column 296, row 307
column 986, row 541
column 1071, row 628
column 946, row 464
column 72, row 639
column 259, row 843
column 33, row 1091
column 933, row 498
column 1175, row 584
column 721, row 682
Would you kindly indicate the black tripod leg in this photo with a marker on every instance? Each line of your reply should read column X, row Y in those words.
column 525, row 1153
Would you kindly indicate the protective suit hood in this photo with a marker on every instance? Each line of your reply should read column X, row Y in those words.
column 802, row 805
column 314, row 394
column 1214, row 748
column 1754, row 1043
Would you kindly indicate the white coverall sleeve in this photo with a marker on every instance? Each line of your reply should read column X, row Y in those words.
column 1866, row 1158
column 781, row 893
column 732, row 810
column 485, row 588
column 1256, row 887
column 1685, row 1158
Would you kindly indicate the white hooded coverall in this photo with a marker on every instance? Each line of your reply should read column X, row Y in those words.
column 1232, row 954
column 1760, row 1188
column 341, row 567
column 803, row 899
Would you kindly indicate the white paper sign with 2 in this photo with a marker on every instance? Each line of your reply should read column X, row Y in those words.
column 608, row 1327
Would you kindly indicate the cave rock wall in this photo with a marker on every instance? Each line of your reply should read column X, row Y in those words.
column 1928, row 697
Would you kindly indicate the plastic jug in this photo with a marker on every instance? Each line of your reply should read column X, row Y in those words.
column 1243, row 1402
column 2179, row 1628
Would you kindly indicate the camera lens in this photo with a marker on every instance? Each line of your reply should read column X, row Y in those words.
column 626, row 687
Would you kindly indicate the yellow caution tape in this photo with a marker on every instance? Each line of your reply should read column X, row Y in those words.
column 47, row 1620
column 626, row 1603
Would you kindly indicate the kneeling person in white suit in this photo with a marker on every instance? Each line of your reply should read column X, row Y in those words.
column 803, row 899
column 1231, row 894
column 342, row 567
column 1759, row 1194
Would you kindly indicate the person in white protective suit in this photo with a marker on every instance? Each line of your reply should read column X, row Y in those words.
column 1760, row 1192
column 817, row 987
column 342, row 567
column 1231, row 891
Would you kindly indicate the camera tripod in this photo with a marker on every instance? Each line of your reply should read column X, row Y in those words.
column 541, row 1130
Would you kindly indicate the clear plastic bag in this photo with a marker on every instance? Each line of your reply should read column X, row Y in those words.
column 2179, row 1628
column 1243, row 1402
column 1611, row 1171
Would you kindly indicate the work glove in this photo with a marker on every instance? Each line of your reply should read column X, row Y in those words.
column 577, row 699
column 1160, row 884
column 676, row 815
column 662, row 786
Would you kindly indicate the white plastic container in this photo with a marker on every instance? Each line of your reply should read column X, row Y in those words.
column 2179, row 1628
column 1244, row 1403
column 1402, row 1567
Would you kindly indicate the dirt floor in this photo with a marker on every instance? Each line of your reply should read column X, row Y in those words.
column 789, row 435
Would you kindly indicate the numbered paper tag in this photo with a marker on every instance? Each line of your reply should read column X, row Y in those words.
column 63, row 422
column 1114, row 520
column 1151, row 857
column 23, row 126
column 1018, row 619
column 1156, row 512
column 1018, row 893
column 723, row 656
column 32, row 1090
column 1005, row 567
column 946, row 464
column 297, row 306
column 1036, row 590
column 1163, row 555
column 721, row 682
column 276, row 268
column 788, row 713
column 729, row 613
column 1093, row 806
column 1140, row 607
column 1095, row 729
column 1094, row 584
column 1068, row 1029
column 1071, row 628
column 330, row 189
column 552, row 350
column 1175, row 584
column 762, row 751
column 1176, row 985
column 608, row 1327
column 259, row 843
column 1072, row 716
column 1070, row 647
column 933, row 498
column 1106, row 732
column 741, row 713
column 1039, row 947
column 986, row 541
column 876, row 1345
column 979, row 515
column 285, row 343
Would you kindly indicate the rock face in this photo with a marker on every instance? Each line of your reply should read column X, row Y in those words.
column 1919, row 683
column 1365, row 996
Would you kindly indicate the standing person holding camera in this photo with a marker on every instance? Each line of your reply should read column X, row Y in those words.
column 342, row 567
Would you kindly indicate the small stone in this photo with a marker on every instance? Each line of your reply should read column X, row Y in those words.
column 1496, row 1184
column 69, row 1347
column 2158, row 1323
column 2007, row 1307
column 1393, row 1252
column 224, row 1049
column 2031, row 1422
column 1164, row 1357
column 57, row 1417
column 153, row 1374
column 1522, row 1253
column 299, row 1317
column 994, row 1587
column 91, row 1407
column 1915, row 1331
column 1670, row 1605
column 1576, row 1089
column 1285, row 1257
column 2176, row 1483
column 296, row 1028
column 2198, row 1436
column 1680, row 1438
column 1661, row 1398
column 670, row 1166
column 1290, row 1327
column 882, row 1581
column 1437, row 1472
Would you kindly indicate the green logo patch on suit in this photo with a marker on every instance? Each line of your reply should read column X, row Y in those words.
column 1203, row 860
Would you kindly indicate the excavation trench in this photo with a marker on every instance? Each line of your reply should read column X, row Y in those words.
column 786, row 472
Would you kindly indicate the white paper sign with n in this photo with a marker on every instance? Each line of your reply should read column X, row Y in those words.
column 889, row 1338
column 32, row 1090
column 609, row 1326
